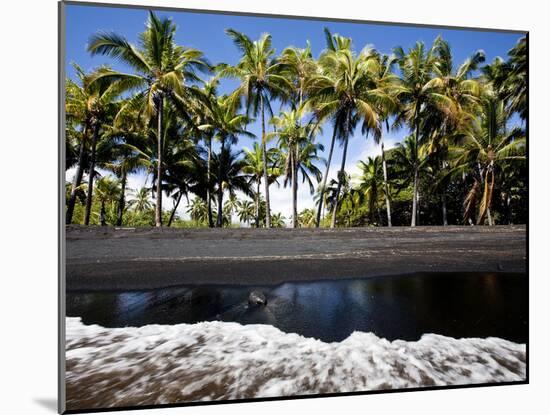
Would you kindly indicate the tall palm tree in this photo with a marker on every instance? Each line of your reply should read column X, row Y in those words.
column 162, row 71
column 230, row 176
column 124, row 159
column 457, row 96
column 385, row 80
column 347, row 92
column 416, row 69
column 296, row 143
column 320, row 85
column 483, row 151
column 108, row 191
column 299, row 67
column 227, row 124
column 91, row 103
column 261, row 81
column 371, row 183
column 254, row 167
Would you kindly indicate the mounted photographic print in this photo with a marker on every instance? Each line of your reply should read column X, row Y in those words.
column 256, row 207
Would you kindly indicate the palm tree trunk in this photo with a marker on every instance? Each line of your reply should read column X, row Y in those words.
column 415, row 196
column 91, row 176
column 325, row 177
column 219, row 220
column 341, row 175
column 158, row 207
column 386, row 187
column 258, row 202
column 173, row 213
column 264, row 157
column 77, row 179
column 122, row 199
column 294, row 193
column 102, row 214
column 342, row 171
column 415, row 182
column 444, row 208
column 208, row 184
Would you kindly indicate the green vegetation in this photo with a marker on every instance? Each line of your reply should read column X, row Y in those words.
column 463, row 162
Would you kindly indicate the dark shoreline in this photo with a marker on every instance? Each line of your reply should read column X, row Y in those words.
column 144, row 258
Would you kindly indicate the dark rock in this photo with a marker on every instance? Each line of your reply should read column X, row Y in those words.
column 257, row 298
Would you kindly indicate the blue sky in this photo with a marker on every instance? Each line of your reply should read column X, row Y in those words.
column 206, row 32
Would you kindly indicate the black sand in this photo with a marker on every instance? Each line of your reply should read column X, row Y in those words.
column 106, row 258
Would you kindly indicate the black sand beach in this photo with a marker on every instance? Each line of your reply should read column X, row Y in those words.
column 101, row 258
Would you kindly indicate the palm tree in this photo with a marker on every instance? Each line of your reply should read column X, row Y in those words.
column 385, row 80
column 254, row 167
column 405, row 158
column 108, row 191
column 162, row 70
column 278, row 220
column 416, row 68
column 484, row 151
column 307, row 218
column 261, row 81
column 296, row 143
column 141, row 202
column 198, row 211
column 509, row 78
column 124, row 159
column 299, row 67
column 346, row 92
column 246, row 210
column 230, row 176
column 371, row 183
column 90, row 103
column 228, row 124
column 457, row 98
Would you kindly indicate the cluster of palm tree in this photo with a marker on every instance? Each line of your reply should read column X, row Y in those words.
column 463, row 156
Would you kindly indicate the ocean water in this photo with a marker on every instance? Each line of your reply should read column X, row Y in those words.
column 192, row 343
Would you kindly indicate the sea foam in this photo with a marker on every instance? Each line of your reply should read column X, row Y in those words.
column 160, row 364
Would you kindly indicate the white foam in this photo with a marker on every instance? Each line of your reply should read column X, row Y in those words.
column 216, row 360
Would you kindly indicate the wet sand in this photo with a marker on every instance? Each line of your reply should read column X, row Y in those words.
column 106, row 258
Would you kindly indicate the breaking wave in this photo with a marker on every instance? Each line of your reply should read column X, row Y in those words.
column 160, row 364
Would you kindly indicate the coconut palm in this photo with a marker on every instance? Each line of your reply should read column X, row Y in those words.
column 198, row 211
column 254, row 167
column 107, row 191
column 346, row 92
column 371, row 184
column 230, row 176
column 416, row 67
column 91, row 103
column 141, row 202
column 483, row 152
column 162, row 70
column 306, row 218
column 246, row 210
column 381, row 68
column 124, row 159
column 278, row 220
column 227, row 124
column 299, row 67
column 296, row 143
column 457, row 98
column 261, row 81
